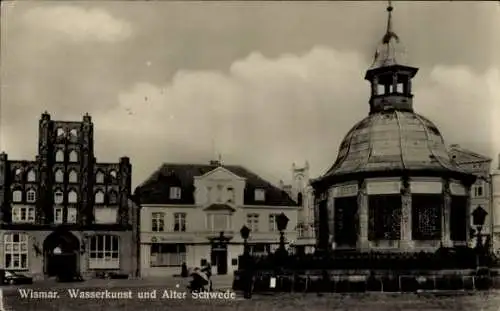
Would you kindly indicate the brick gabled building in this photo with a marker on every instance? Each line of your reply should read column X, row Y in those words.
column 65, row 207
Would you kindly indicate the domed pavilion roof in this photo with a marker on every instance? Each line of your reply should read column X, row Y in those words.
column 392, row 140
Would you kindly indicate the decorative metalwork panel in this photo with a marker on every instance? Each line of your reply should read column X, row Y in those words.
column 426, row 216
column 384, row 217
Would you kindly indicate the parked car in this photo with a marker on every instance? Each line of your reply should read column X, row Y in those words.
column 11, row 277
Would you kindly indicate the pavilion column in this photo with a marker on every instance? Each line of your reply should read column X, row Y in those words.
column 406, row 219
column 446, row 219
column 331, row 217
column 363, row 242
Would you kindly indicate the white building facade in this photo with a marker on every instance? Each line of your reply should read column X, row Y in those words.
column 186, row 208
column 301, row 192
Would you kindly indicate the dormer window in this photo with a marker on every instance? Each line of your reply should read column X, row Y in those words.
column 260, row 195
column 175, row 193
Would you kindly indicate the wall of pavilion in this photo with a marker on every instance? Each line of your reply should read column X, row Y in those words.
column 393, row 213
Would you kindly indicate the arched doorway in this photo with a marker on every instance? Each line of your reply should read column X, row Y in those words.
column 61, row 249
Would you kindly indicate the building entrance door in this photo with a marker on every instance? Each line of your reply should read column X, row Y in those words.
column 61, row 251
column 218, row 254
column 219, row 259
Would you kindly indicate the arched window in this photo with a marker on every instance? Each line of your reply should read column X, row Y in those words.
column 72, row 197
column 104, row 252
column 59, row 156
column 59, row 176
column 113, row 175
column 31, row 175
column 99, row 177
column 17, row 196
column 73, row 176
column 73, row 133
column 112, row 197
column 58, row 197
column 18, row 174
column 99, row 197
column 31, row 196
column 16, row 251
column 73, row 156
column 60, row 131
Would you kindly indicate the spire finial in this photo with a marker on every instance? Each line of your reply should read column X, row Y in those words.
column 389, row 16
column 389, row 33
column 385, row 53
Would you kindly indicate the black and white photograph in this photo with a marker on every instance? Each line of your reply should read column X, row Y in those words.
column 239, row 155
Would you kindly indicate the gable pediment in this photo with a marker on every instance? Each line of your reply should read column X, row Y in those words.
column 219, row 173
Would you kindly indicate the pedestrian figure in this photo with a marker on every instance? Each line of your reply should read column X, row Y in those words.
column 184, row 270
column 208, row 272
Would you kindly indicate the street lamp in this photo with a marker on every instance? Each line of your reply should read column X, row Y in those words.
column 281, row 223
column 478, row 219
column 246, row 265
column 245, row 232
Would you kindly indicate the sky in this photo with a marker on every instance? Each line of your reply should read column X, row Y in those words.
column 264, row 84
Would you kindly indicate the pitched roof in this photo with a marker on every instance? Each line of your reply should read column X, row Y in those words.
column 461, row 155
column 155, row 190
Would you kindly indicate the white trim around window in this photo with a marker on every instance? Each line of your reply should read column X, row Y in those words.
column 23, row 214
column 217, row 222
column 16, row 251
column 31, row 196
column 58, row 215
column 104, row 252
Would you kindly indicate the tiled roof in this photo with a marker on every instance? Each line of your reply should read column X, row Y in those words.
column 155, row 190
column 463, row 155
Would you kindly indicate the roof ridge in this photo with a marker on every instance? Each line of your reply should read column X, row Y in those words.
column 468, row 151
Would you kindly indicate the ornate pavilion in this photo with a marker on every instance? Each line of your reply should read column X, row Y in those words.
column 393, row 187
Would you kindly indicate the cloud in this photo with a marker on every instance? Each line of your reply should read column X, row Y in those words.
column 77, row 24
column 267, row 113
